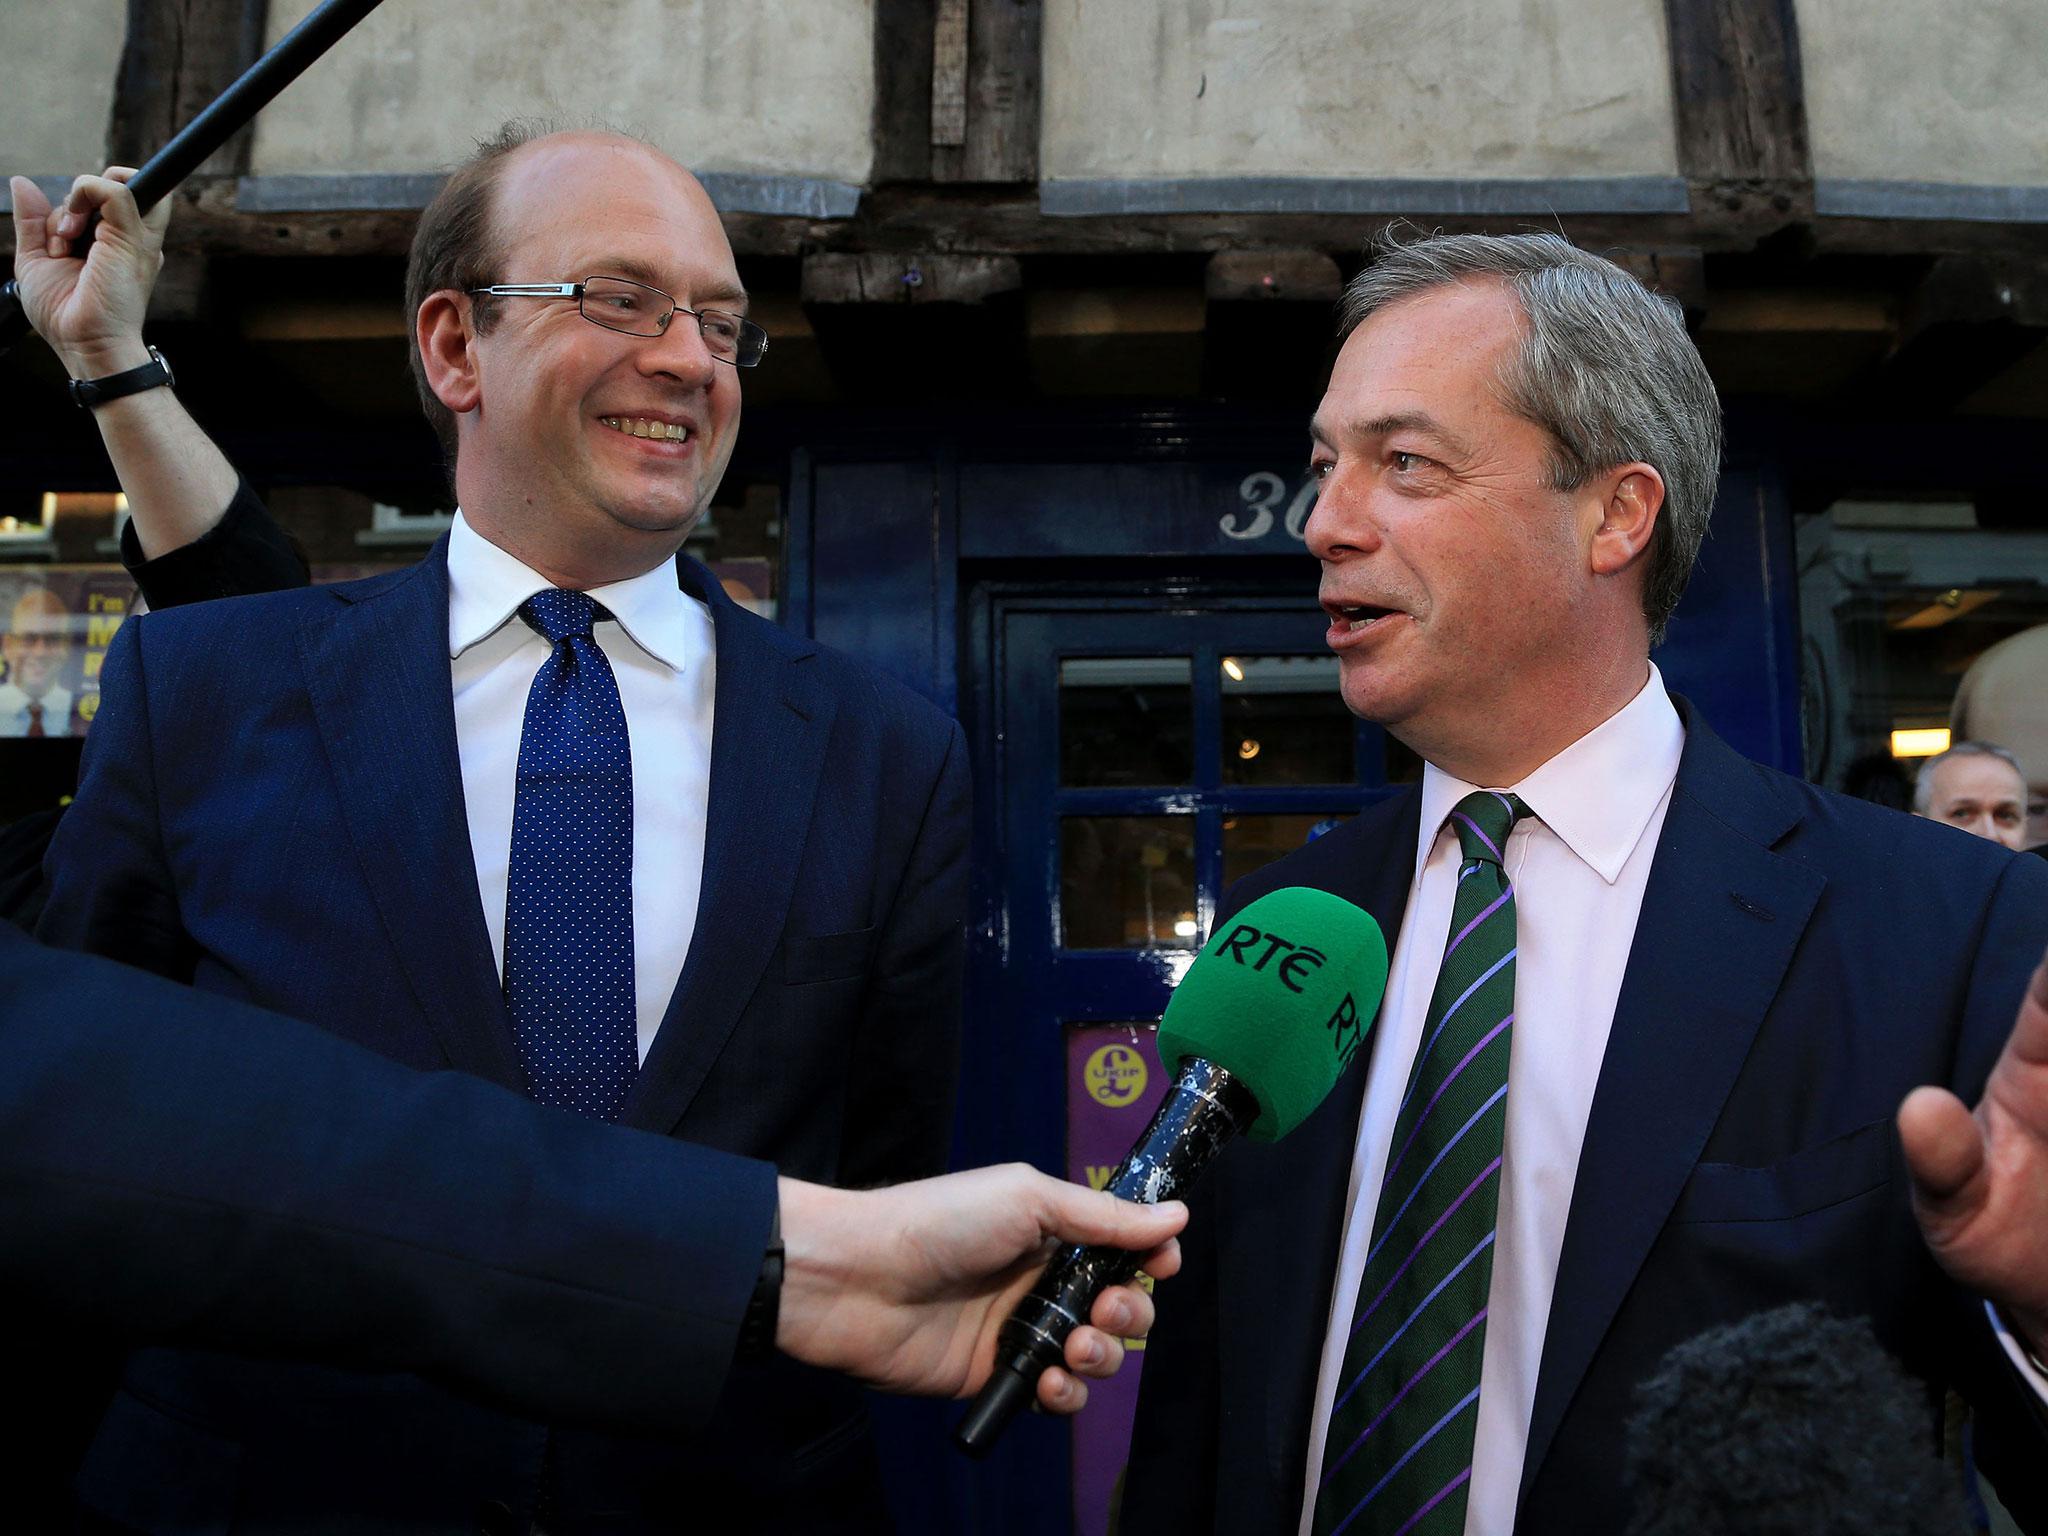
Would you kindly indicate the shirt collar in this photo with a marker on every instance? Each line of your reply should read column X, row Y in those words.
column 486, row 585
column 1598, row 794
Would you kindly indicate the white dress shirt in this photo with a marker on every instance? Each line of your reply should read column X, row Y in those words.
column 659, row 643
column 1579, row 864
column 14, row 715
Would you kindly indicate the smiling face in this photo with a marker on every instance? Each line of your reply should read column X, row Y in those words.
column 37, row 637
column 1486, row 619
column 587, row 453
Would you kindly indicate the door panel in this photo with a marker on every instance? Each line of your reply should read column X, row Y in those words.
column 1145, row 753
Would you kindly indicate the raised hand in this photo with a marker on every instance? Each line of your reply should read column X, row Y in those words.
column 1980, row 1180
column 906, row 1287
column 88, row 303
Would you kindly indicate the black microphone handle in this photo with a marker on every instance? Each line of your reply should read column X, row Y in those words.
column 213, row 127
column 1203, row 1110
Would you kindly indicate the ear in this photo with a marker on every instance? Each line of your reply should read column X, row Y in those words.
column 448, row 350
column 1632, row 499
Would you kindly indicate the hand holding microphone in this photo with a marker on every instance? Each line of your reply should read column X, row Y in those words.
column 1258, row 1032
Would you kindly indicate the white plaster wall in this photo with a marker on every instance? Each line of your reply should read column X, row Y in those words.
column 1927, row 90
column 1357, row 88
column 771, row 87
column 57, row 68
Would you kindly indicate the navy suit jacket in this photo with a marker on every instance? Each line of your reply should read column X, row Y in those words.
column 271, row 808
column 179, row 1169
column 1802, row 961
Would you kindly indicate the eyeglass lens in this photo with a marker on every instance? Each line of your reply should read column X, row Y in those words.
column 638, row 310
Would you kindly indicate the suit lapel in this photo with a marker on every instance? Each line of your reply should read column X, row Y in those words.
column 377, row 675
column 1721, row 917
column 770, row 724
column 1285, row 1202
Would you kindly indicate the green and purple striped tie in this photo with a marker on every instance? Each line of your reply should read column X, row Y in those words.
column 1399, row 1454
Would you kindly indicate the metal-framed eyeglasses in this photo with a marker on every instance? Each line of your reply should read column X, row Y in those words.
column 635, row 309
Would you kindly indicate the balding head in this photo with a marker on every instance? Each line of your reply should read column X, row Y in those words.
column 590, row 437
column 461, row 239
column 38, row 633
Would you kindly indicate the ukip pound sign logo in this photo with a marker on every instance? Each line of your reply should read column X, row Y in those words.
column 1301, row 960
column 1115, row 1075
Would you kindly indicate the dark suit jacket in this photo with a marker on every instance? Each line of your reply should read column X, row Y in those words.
column 271, row 808
column 178, row 1169
column 1801, row 962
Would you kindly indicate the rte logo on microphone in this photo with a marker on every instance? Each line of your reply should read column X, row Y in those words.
column 1302, row 960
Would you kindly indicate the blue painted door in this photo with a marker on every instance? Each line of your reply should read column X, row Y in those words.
column 1150, row 747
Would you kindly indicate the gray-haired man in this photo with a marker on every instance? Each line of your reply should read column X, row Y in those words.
column 1976, row 786
column 1652, row 1011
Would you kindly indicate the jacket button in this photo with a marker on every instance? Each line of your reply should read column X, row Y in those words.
column 494, row 1517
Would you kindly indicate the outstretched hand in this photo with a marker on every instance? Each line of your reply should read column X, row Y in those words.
column 88, row 304
column 1980, row 1180
column 906, row 1287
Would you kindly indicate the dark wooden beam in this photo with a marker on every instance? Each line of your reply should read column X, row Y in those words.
column 1969, row 321
column 1000, row 141
column 885, row 277
column 178, row 56
column 1737, row 90
column 949, row 74
column 1978, row 290
column 903, row 91
column 1680, row 274
column 1266, row 276
column 1009, row 221
column 1739, row 100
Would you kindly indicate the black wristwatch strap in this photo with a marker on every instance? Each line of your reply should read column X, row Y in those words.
column 87, row 393
column 764, row 1307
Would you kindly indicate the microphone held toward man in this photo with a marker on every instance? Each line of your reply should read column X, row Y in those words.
column 1267, row 1018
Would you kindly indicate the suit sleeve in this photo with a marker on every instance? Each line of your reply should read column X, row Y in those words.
column 188, row 1171
column 244, row 552
column 905, row 1064
column 109, row 885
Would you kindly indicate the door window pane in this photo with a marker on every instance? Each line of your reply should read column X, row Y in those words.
column 1126, row 720
column 1127, row 882
column 1284, row 722
column 1252, row 842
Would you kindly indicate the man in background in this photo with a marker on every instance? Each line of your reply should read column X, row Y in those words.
column 32, row 700
column 1976, row 786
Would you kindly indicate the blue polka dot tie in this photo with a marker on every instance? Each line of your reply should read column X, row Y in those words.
column 569, row 891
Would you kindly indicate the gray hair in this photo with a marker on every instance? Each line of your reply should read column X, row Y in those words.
column 1606, row 368
column 1923, row 781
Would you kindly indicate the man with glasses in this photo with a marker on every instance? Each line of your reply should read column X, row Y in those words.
column 547, row 807
column 33, row 702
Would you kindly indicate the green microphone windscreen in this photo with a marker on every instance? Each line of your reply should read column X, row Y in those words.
column 1281, row 998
